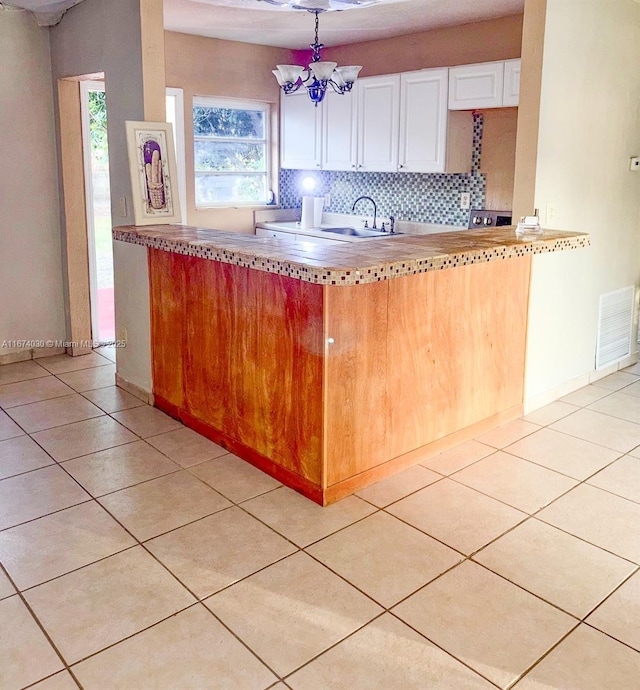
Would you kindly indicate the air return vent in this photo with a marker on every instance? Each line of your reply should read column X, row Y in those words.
column 615, row 322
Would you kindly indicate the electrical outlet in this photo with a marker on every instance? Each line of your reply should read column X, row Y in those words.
column 122, row 334
column 327, row 199
column 465, row 201
column 551, row 213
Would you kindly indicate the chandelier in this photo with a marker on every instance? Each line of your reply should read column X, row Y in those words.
column 318, row 76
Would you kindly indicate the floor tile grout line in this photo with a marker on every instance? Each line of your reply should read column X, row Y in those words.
column 435, row 644
column 306, row 546
column 470, row 557
column 80, row 567
column 582, row 539
column 59, row 426
column 580, row 481
column 397, row 500
column 612, row 592
column 544, row 656
column 193, row 604
column 53, row 512
column 613, row 416
column 411, row 525
column 528, row 591
column 364, row 625
column 35, row 402
column 616, row 450
column 611, row 637
column 40, row 625
column 33, row 469
column 72, row 393
column 50, row 676
column 242, row 642
column 563, row 474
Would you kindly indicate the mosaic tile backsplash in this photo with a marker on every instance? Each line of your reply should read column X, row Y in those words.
column 418, row 197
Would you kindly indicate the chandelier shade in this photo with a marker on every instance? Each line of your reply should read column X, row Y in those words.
column 318, row 76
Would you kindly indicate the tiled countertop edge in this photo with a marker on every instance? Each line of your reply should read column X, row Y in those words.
column 369, row 271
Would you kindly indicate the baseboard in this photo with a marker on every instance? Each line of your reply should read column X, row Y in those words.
column 34, row 353
column 535, row 402
column 140, row 393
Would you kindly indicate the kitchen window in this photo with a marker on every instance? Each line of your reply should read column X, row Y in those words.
column 231, row 152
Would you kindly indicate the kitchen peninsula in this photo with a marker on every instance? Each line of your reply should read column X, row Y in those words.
column 331, row 367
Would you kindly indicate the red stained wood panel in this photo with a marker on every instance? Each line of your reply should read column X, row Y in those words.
column 249, row 359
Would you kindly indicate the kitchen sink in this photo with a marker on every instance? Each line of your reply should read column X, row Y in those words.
column 358, row 232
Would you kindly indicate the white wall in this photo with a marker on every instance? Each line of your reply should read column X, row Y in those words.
column 31, row 292
column 589, row 127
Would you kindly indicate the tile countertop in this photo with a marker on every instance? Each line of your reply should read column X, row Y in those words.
column 349, row 263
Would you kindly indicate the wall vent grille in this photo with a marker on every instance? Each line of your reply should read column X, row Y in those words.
column 615, row 323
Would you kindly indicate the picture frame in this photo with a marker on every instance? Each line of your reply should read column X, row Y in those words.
column 154, row 179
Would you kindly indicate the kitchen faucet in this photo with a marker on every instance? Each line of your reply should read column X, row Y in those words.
column 375, row 208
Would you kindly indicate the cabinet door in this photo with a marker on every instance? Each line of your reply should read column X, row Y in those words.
column 476, row 86
column 423, row 121
column 339, row 148
column 300, row 132
column 511, row 94
column 378, row 123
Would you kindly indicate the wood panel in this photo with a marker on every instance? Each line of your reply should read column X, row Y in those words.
column 253, row 361
column 356, row 371
column 457, row 343
column 401, row 462
column 332, row 387
column 167, row 301
column 282, row 474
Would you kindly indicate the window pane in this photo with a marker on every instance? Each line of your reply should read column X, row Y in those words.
column 226, row 156
column 228, row 122
column 211, row 189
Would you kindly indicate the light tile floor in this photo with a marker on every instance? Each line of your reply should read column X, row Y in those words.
column 136, row 554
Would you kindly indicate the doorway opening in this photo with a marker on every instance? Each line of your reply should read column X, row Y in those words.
column 98, row 208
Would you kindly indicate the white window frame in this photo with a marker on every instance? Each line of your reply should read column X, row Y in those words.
column 217, row 102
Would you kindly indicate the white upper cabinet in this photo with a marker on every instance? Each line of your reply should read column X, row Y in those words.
column 396, row 122
column 378, row 123
column 339, row 133
column 423, row 121
column 300, row 132
column 511, row 92
column 476, row 86
column 484, row 85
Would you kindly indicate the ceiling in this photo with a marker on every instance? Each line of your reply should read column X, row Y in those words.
column 259, row 21
column 253, row 21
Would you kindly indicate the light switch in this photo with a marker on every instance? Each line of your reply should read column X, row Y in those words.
column 122, row 207
column 634, row 164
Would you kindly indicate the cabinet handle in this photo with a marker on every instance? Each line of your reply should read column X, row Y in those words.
column 400, row 166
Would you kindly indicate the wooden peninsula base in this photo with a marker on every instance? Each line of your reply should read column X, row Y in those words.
column 327, row 387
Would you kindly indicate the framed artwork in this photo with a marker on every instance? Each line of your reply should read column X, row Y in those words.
column 154, row 181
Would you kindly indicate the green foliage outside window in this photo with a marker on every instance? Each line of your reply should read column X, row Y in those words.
column 230, row 154
column 98, row 125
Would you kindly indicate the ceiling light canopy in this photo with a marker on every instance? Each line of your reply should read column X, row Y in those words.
column 319, row 75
